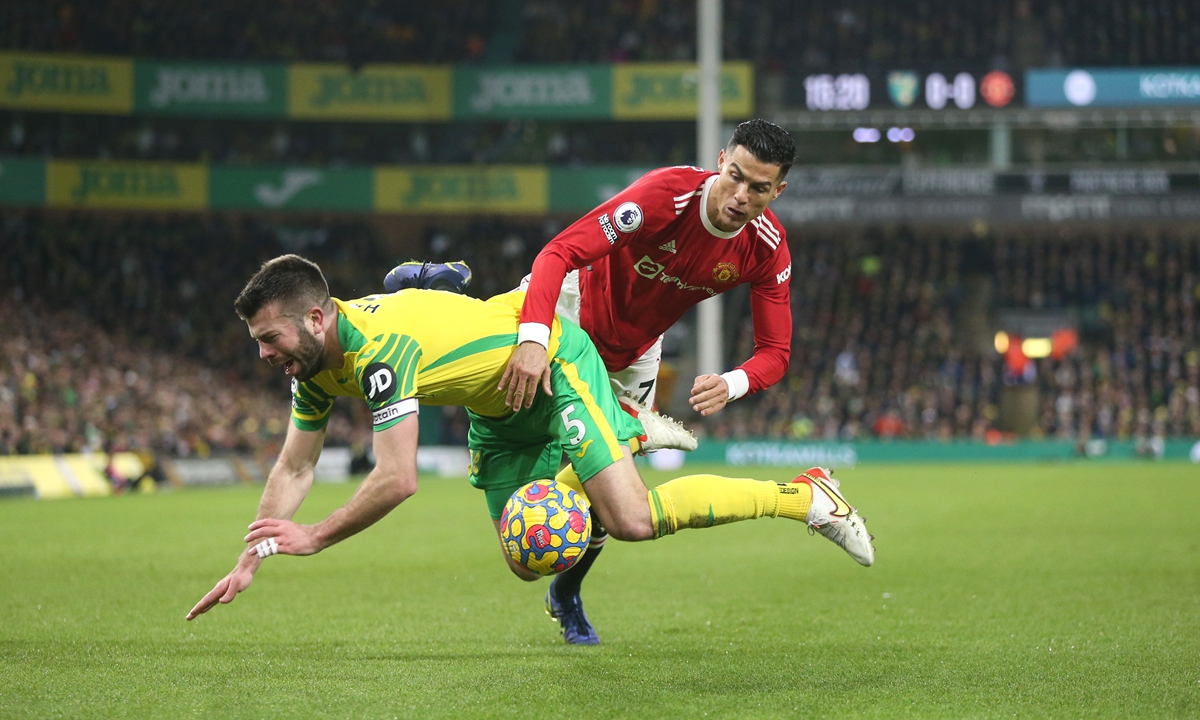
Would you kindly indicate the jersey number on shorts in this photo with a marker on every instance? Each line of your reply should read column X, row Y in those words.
column 576, row 425
column 649, row 385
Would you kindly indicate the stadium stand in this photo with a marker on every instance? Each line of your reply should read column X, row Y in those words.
column 859, row 33
column 121, row 325
column 886, row 344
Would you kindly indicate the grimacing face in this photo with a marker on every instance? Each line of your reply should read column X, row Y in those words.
column 744, row 187
column 287, row 342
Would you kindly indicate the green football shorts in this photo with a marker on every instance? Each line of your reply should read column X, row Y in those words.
column 582, row 419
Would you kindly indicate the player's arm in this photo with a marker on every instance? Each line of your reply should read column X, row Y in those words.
column 287, row 486
column 592, row 237
column 771, row 310
column 393, row 481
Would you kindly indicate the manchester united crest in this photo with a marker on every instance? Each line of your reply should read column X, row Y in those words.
column 726, row 272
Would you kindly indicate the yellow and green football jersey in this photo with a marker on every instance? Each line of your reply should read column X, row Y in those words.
column 426, row 346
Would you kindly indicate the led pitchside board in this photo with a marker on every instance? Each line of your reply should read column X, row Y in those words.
column 1113, row 88
column 904, row 89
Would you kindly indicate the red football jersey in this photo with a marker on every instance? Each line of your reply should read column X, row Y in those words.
column 649, row 254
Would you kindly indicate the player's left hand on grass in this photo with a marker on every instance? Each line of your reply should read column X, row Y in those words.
column 227, row 589
column 710, row 393
column 270, row 536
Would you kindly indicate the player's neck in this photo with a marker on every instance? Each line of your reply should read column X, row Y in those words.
column 335, row 355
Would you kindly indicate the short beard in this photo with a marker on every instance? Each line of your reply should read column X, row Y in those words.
column 309, row 353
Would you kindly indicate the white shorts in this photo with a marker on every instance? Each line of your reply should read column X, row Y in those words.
column 638, row 381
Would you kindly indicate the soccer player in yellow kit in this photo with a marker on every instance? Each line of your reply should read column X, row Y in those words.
column 437, row 348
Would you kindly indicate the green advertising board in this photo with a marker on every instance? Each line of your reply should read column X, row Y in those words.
column 792, row 454
column 22, row 181
column 534, row 91
column 581, row 189
column 210, row 89
column 413, row 189
column 290, row 188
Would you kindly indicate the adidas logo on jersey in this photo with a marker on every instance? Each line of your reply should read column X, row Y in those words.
column 669, row 247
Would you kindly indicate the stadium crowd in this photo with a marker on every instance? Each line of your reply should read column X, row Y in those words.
column 122, row 331
column 886, row 344
column 121, row 334
column 774, row 33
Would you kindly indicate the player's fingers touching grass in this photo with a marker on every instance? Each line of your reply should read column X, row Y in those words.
column 224, row 592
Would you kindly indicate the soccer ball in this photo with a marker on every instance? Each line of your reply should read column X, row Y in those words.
column 546, row 526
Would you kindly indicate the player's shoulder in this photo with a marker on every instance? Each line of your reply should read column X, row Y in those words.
column 677, row 183
column 660, row 196
column 767, row 230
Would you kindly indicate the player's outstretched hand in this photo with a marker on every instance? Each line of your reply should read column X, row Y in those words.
column 710, row 393
column 225, row 591
column 528, row 367
column 281, row 536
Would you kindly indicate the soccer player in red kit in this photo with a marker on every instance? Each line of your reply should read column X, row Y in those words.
column 633, row 266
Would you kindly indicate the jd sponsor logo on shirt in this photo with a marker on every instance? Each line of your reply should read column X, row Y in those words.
column 628, row 217
column 379, row 382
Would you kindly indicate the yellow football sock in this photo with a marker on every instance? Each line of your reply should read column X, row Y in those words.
column 568, row 477
column 699, row 501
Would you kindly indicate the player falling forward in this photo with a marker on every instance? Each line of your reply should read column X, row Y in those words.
column 632, row 267
column 395, row 351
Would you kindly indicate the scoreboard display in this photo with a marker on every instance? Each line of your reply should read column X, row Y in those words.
column 904, row 89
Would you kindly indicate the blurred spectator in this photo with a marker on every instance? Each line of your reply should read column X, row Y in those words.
column 776, row 34
column 357, row 31
column 120, row 330
column 884, row 347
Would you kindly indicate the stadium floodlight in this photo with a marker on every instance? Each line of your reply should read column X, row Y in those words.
column 1036, row 348
column 866, row 135
column 899, row 134
column 1001, row 342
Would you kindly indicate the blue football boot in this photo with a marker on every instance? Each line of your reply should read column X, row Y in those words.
column 452, row 276
column 576, row 628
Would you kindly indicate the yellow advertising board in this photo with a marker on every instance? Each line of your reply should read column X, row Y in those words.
column 658, row 91
column 454, row 189
column 79, row 83
column 51, row 477
column 132, row 185
column 327, row 91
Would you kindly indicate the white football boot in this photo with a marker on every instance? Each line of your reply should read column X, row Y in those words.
column 833, row 517
column 661, row 431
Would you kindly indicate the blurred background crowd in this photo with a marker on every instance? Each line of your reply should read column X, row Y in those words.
column 776, row 33
column 121, row 330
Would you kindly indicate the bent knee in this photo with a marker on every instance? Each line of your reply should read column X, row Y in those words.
column 634, row 531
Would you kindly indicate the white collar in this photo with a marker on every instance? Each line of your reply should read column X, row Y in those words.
column 704, row 212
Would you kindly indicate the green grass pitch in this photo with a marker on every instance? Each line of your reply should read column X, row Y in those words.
column 998, row 591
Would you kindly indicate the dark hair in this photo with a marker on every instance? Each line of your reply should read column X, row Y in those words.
column 766, row 141
column 297, row 284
